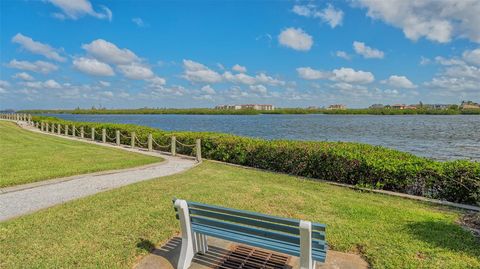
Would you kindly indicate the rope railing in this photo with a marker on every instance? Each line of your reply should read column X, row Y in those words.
column 151, row 143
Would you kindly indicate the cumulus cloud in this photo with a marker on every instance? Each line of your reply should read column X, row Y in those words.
column 342, row 54
column 295, row 38
column 197, row 72
column 48, row 84
column 38, row 66
column 139, row 22
column 266, row 79
column 79, row 8
column 401, row 82
column 157, row 81
column 472, row 56
column 239, row 68
column 239, row 78
column 366, row 51
column 435, row 20
column 312, row 74
column 108, row 52
column 258, row 89
column 456, row 75
column 343, row 74
column 36, row 47
column 207, row 89
column 330, row 14
column 104, row 83
column 93, row 67
column 136, row 71
column 23, row 76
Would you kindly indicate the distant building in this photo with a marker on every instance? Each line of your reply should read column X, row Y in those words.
column 337, row 107
column 246, row 106
column 377, row 106
column 410, row 107
column 469, row 105
column 398, row 106
column 437, row 106
column 312, row 107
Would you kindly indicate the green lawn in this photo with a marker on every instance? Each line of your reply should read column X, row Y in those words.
column 111, row 229
column 29, row 157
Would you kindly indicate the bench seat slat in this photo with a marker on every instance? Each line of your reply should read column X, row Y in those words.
column 256, row 241
column 235, row 228
column 246, row 221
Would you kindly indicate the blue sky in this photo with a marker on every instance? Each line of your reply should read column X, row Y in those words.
column 129, row 54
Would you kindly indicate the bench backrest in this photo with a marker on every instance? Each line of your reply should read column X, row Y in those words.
column 283, row 233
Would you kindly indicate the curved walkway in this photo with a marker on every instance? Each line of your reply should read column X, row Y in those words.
column 20, row 200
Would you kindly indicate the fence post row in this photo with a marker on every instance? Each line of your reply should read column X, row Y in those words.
column 174, row 146
column 150, row 146
column 117, row 134
column 104, row 135
column 132, row 142
column 198, row 149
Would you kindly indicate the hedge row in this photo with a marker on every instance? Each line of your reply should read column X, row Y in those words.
column 351, row 163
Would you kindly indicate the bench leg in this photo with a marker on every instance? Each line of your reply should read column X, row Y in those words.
column 188, row 241
column 306, row 261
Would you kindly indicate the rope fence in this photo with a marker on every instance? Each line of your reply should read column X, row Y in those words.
column 86, row 133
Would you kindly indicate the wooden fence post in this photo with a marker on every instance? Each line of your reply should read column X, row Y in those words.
column 42, row 124
column 150, row 145
column 29, row 118
column 104, row 135
column 46, row 127
column 132, row 142
column 118, row 137
column 198, row 149
column 174, row 146
column 82, row 133
column 59, row 129
column 73, row 130
column 66, row 130
column 93, row 134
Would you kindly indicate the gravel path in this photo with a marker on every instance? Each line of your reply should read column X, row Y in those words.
column 25, row 199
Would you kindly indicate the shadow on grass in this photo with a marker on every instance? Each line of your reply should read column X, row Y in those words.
column 146, row 244
column 449, row 236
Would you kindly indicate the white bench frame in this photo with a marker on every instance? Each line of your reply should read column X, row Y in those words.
column 193, row 243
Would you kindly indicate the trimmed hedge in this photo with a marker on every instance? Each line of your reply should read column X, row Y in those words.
column 352, row 163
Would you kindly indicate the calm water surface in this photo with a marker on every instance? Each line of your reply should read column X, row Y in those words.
column 439, row 137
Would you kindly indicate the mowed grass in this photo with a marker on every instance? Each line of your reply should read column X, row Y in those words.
column 114, row 229
column 29, row 157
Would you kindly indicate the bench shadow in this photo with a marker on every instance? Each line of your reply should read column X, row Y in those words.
column 448, row 236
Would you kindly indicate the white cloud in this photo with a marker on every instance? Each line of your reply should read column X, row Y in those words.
column 74, row 9
column 266, row 79
column 239, row 78
column 107, row 94
column 401, row 82
column 37, row 47
column 104, row 83
column 109, row 52
column 93, row 67
column 472, row 56
column 342, row 54
column 366, row 51
column 296, row 39
column 23, row 76
column 312, row 74
column 48, row 84
column 197, row 72
column 347, row 87
column 208, row 89
column 435, row 20
column 330, row 14
column 139, row 22
column 4, row 84
column 259, row 89
column 239, row 68
column 157, row 81
column 350, row 75
column 136, row 71
column 38, row 66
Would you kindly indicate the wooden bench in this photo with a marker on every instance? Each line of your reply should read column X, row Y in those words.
column 299, row 238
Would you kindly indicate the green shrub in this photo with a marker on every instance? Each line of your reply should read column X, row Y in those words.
column 350, row 163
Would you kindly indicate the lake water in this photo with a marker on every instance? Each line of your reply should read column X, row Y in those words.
column 439, row 137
